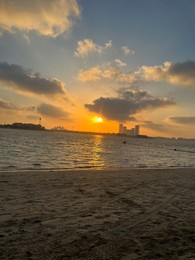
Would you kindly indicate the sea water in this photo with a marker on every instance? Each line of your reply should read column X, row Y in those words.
column 26, row 149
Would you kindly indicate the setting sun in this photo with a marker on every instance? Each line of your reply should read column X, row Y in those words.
column 97, row 119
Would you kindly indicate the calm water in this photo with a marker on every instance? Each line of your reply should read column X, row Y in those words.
column 21, row 149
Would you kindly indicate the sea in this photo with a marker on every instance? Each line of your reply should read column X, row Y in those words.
column 50, row 150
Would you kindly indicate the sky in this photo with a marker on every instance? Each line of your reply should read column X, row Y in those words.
column 90, row 65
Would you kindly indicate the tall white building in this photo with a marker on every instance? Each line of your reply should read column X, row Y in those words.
column 132, row 132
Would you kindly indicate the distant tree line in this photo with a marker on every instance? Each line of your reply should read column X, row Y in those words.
column 27, row 126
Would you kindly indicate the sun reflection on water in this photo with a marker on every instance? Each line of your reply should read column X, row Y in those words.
column 98, row 150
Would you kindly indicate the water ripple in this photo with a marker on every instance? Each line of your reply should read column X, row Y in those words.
column 57, row 150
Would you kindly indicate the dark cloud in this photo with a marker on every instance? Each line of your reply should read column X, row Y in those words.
column 127, row 104
column 112, row 108
column 24, row 80
column 52, row 111
column 183, row 119
column 185, row 69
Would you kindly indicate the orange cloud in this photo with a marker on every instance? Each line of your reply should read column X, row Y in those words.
column 92, row 74
column 181, row 74
column 87, row 46
column 96, row 74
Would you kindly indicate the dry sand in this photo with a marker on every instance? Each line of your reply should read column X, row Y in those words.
column 110, row 214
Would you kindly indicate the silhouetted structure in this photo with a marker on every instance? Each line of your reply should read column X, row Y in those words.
column 27, row 126
column 132, row 132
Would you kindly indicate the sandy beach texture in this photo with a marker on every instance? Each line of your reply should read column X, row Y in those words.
column 109, row 214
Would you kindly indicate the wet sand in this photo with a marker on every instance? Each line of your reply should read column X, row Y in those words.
column 103, row 214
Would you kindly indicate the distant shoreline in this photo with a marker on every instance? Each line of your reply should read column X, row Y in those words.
column 38, row 127
column 94, row 170
column 23, row 126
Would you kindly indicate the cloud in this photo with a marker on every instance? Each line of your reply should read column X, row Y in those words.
column 179, row 74
column 188, row 120
column 6, row 105
column 9, row 106
column 155, row 126
column 127, row 104
column 112, row 73
column 127, row 51
column 52, row 111
column 119, row 63
column 25, row 81
column 182, row 74
column 47, row 17
column 93, row 74
column 87, row 46
column 28, row 108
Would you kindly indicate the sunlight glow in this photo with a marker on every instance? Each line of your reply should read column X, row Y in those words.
column 97, row 119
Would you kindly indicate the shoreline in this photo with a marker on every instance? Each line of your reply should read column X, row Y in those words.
column 136, row 213
column 98, row 169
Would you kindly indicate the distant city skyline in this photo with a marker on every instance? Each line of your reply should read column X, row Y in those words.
column 91, row 65
column 133, row 131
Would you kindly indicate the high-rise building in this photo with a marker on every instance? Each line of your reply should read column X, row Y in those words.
column 132, row 132
column 120, row 128
column 136, row 130
column 125, row 131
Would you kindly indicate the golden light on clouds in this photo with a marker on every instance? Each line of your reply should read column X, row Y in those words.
column 59, row 65
column 48, row 18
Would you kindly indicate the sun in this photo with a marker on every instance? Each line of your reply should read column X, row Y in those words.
column 98, row 119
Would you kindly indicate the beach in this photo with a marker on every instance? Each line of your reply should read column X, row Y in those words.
column 98, row 214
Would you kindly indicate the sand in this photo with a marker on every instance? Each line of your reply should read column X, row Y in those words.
column 102, row 214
